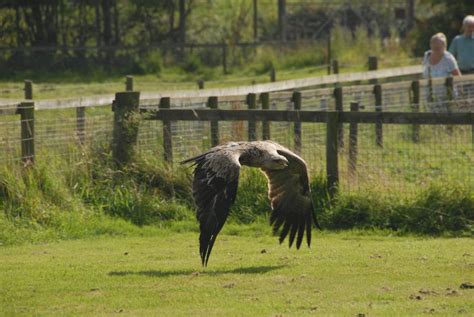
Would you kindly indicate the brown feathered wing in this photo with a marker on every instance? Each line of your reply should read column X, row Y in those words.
column 290, row 196
column 216, row 178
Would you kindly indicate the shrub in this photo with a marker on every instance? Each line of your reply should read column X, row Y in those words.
column 191, row 64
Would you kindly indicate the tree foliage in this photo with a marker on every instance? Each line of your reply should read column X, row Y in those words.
column 447, row 18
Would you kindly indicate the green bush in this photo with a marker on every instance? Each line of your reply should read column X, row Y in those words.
column 192, row 64
column 436, row 210
column 153, row 62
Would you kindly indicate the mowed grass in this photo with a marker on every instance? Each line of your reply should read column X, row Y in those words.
column 346, row 273
column 166, row 82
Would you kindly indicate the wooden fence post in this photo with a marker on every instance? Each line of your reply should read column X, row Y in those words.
column 272, row 75
column 81, row 124
column 81, row 121
column 329, row 51
column 415, row 103
column 27, row 117
column 297, row 125
column 224, row 57
column 265, row 100
column 129, row 83
column 449, row 92
column 338, row 97
column 353, row 130
column 200, row 83
column 165, row 103
column 213, row 103
column 373, row 65
column 472, row 128
column 28, row 90
column 378, row 109
column 335, row 66
column 450, row 98
column 449, row 87
column 252, row 125
column 332, row 166
column 126, row 121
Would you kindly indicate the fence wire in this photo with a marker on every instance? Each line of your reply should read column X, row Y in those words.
column 442, row 155
column 410, row 158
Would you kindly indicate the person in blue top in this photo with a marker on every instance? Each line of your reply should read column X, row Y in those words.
column 462, row 46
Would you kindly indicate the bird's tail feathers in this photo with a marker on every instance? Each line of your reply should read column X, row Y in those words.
column 206, row 243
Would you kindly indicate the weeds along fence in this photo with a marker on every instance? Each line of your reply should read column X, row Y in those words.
column 399, row 137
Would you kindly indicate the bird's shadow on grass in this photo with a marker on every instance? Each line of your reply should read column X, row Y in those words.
column 210, row 272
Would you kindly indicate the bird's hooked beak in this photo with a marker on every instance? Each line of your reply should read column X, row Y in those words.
column 280, row 162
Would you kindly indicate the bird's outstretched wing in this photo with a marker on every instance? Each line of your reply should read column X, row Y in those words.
column 215, row 183
column 289, row 193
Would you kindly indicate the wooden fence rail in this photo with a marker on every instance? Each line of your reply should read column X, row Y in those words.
column 456, row 118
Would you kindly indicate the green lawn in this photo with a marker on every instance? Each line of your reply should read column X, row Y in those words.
column 73, row 85
column 248, row 274
column 170, row 80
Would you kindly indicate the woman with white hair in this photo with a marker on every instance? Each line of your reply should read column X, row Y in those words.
column 462, row 46
column 438, row 62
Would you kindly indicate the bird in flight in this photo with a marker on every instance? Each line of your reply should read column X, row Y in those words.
column 216, row 177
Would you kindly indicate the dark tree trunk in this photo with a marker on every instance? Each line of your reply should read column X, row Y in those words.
column 107, row 35
column 19, row 31
column 98, row 32
column 107, row 20
column 182, row 27
column 116, row 24
column 82, row 32
column 171, row 20
column 411, row 14
column 282, row 20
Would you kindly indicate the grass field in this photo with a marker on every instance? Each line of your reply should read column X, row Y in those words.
column 169, row 80
column 348, row 273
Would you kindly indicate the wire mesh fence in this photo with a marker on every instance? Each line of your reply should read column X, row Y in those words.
column 443, row 154
column 409, row 158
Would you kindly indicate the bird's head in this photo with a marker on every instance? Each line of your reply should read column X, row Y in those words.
column 277, row 162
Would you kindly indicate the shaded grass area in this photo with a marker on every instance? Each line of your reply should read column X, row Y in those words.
column 342, row 274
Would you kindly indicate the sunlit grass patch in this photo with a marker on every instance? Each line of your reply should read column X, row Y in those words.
column 342, row 274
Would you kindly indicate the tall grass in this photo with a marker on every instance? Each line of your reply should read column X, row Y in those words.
column 61, row 200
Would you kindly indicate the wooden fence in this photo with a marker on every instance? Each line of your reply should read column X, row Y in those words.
column 127, row 118
column 128, row 114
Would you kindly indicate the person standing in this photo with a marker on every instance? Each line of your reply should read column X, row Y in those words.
column 462, row 46
column 437, row 61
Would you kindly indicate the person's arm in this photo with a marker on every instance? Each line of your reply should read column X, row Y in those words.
column 453, row 65
column 456, row 72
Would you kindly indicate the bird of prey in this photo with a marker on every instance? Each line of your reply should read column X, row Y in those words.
column 216, row 177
